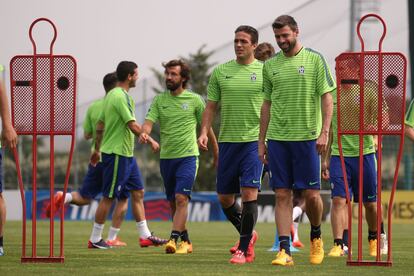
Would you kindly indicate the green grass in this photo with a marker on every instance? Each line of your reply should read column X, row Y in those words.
column 211, row 243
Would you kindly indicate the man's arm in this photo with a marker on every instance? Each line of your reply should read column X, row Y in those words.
column 137, row 130
column 8, row 134
column 96, row 155
column 208, row 117
column 327, row 109
column 264, row 123
column 213, row 141
column 325, row 158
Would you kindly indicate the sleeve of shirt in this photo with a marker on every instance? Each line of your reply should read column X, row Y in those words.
column 153, row 111
column 87, row 124
column 409, row 116
column 199, row 109
column 213, row 88
column 324, row 82
column 125, row 108
column 267, row 83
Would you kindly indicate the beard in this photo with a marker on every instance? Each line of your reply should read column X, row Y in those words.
column 172, row 86
column 289, row 46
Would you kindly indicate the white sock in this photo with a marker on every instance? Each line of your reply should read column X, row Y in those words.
column 68, row 198
column 113, row 233
column 297, row 211
column 143, row 230
column 97, row 230
column 295, row 232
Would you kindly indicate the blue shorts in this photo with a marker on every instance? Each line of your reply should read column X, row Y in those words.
column 1, row 170
column 178, row 175
column 120, row 175
column 369, row 193
column 294, row 165
column 92, row 183
column 238, row 166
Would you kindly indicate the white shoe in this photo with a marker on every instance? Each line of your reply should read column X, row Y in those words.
column 345, row 248
column 384, row 244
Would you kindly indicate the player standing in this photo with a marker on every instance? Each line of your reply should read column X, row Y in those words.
column 237, row 85
column 296, row 84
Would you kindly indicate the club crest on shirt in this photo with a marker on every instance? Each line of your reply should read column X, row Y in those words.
column 253, row 77
column 184, row 106
column 301, row 70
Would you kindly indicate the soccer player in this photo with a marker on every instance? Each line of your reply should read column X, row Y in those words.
column 237, row 85
column 331, row 169
column 178, row 112
column 296, row 85
column 263, row 52
column 92, row 184
column 120, row 169
column 8, row 139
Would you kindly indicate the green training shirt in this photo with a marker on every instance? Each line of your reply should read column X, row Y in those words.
column 350, row 118
column 118, row 110
column 91, row 119
column 238, row 88
column 178, row 117
column 295, row 85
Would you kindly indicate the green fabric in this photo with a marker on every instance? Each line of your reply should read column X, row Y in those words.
column 178, row 117
column 238, row 88
column 92, row 118
column 295, row 85
column 118, row 110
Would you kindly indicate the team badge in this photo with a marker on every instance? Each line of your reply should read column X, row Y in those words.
column 301, row 70
column 253, row 77
column 184, row 106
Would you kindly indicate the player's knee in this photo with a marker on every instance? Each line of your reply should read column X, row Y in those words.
column 226, row 201
column 137, row 195
column 283, row 197
column 338, row 202
column 181, row 200
column 370, row 206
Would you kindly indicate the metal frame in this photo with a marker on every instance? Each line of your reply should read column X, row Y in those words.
column 35, row 132
column 361, row 132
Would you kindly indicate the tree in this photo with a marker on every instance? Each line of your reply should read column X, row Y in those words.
column 200, row 74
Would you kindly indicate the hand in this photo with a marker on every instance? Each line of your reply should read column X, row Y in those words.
column 143, row 138
column 95, row 158
column 325, row 171
column 202, row 142
column 322, row 142
column 9, row 137
column 263, row 152
column 154, row 146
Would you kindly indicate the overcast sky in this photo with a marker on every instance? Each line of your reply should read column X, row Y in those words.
column 100, row 33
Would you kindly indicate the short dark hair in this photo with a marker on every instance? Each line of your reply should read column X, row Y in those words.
column 285, row 20
column 185, row 69
column 124, row 69
column 254, row 34
column 109, row 81
column 264, row 51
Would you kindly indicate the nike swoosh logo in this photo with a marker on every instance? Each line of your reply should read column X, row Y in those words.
column 275, row 73
column 164, row 107
column 256, row 181
column 229, row 77
column 371, row 196
column 186, row 190
column 313, row 183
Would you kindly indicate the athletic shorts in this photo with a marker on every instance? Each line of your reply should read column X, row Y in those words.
column 294, row 165
column 92, row 183
column 238, row 166
column 369, row 193
column 179, row 175
column 120, row 176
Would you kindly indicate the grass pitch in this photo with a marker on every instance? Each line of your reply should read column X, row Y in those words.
column 211, row 242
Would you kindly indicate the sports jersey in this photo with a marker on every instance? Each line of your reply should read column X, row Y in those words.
column 118, row 110
column 238, row 88
column 294, row 85
column 178, row 117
